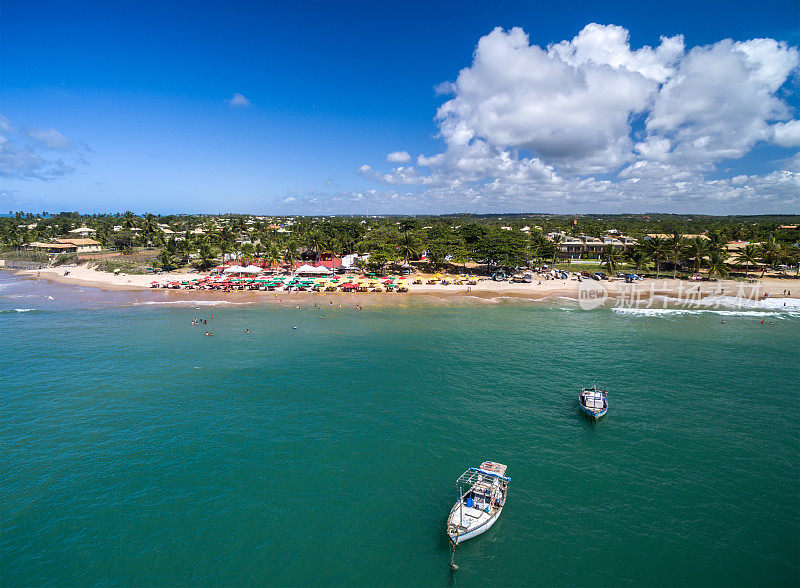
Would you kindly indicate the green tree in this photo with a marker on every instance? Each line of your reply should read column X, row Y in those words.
column 638, row 257
column 656, row 249
column 611, row 258
column 290, row 254
column 315, row 241
column 716, row 264
column 697, row 250
column 675, row 248
column 556, row 240
column 408, row 247
column 206, row 255
column 770, row 252
column 749, row 254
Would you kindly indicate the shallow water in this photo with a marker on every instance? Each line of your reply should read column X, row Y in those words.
column 135, row 450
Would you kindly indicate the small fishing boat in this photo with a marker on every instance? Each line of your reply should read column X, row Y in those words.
column 593, row 402
column 482, row 495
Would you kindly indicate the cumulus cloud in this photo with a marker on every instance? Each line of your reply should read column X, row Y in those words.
column 786, row 134
column 398, row 157
column 526, row 123
column 722, row 99
column 238, row 101
column 36, row 154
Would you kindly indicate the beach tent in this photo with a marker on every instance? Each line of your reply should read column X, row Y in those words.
column 310, row 269
column 234, row 269
column 251, row 269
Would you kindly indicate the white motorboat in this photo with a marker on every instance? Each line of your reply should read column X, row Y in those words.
column 593, row 402
column 482, row 495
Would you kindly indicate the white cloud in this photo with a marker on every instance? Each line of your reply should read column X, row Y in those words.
column 533, row 124
column 569, row 104
column 719, row 103
column 786, row 134
column 50, row 138
column 27, row 154
column 238, row 101
column 398, row 157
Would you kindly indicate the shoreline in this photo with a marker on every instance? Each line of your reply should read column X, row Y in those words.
column 486, row 291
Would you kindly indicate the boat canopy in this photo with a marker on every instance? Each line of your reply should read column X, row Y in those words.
column 474, row 475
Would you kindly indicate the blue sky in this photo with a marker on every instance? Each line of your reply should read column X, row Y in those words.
column 114, row 106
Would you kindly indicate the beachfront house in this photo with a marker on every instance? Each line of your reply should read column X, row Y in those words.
column 53, row 248
column 65, row 246
column 593, row 246
column 81, row 245
column 570, row 247
column 614, row 242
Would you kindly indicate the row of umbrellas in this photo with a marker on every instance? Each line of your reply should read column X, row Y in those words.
column 350, row 282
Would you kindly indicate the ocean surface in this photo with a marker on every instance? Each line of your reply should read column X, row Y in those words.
column 134, row 450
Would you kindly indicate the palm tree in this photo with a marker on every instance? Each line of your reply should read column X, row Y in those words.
column 127, row 219
column 697, row 250
column 656, row 249
column 149, row 227
column 164, row 259
column 273, row 254
column 674, row 248
column 610, row 258
column 716, row 241
column 770, row 253
column 749, row 254
column 408, row 247
column 638, row 257
column 716, row 264
column 315, row 241
column 258, row 250
column 290, row 253
column 248, row 252
column 206, row 253
column 537, row 246
column 556, row 240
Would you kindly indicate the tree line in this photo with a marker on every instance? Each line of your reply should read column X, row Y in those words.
column 495, row 241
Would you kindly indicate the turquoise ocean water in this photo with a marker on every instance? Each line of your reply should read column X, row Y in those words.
column 136, row 451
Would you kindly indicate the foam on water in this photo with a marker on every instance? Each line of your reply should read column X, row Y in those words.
column 186, row 303
column 666, row 312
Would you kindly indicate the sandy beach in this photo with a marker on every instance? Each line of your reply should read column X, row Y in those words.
column 485, row 290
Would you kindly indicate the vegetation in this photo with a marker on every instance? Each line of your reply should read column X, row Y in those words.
column 439, row 242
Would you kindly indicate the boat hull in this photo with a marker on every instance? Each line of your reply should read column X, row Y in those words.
column 594, row 415
column 479, row 530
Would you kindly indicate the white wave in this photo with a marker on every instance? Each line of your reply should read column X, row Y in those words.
column 656, row 311
column 663, row 312
column 734, row 302
column 782, row 304
column 24, row 309
column 186, row 302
